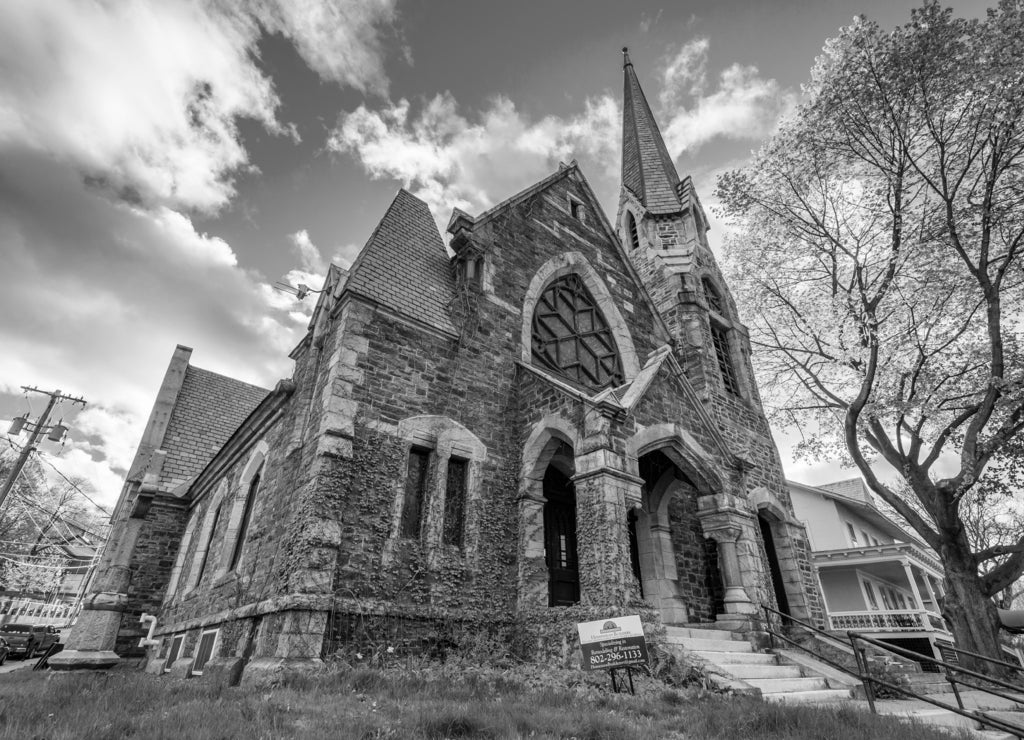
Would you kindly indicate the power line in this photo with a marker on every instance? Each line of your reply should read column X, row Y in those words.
column 72, row 484
column 75, row 486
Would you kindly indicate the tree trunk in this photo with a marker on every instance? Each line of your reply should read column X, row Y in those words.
column 970, row 613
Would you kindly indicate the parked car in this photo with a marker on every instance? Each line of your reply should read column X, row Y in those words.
column 5, row 650
column 26, row 640
column 49, row 636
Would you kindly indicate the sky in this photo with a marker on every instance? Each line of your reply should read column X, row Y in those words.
column 163, row 164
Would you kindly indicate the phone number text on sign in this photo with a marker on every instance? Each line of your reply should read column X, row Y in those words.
column 618, row 653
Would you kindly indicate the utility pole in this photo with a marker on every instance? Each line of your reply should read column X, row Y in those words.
column 38, row 429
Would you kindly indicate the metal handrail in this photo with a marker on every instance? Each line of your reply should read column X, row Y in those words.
column 867, row 680
column 1015, row 666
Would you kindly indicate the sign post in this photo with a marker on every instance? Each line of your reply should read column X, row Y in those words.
column 608, row 644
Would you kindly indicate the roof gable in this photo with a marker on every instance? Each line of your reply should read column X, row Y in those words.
column 208, row 409
column 404, row 265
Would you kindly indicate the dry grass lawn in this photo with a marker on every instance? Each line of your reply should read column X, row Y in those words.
column 443, row 702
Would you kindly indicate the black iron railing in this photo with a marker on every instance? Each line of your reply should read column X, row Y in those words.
column 958, row 676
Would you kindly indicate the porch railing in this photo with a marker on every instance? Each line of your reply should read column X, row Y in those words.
column 894, row 620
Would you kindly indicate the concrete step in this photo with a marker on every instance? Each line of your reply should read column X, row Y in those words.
column 717, row 646
column 788, row 685
column 758, row 670
column 724, row 658
column 819, row 696
column 1014, row 718
column 699, row 633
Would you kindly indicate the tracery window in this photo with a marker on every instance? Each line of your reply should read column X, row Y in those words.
column 721, row 341
column 713, row 297
column 571, row 337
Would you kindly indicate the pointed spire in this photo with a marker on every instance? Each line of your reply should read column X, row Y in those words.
column 647, row 168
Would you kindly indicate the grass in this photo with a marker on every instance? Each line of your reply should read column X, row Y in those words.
column 422, row 704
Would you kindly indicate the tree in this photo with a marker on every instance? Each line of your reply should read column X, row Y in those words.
column 877, row 251
column 36, row 518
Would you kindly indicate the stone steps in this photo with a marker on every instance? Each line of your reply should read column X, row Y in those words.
column 819, row 696
column 699, row 633
column 748, row 671
column 723, row 659
column 710, row 646
column 733, row 657
column 788, row 685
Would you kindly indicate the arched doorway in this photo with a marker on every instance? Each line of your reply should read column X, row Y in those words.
column 671, row 549
column 560, row 529
column 774, row 567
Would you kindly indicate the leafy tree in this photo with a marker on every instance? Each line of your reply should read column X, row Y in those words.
column 877, row 250
column 35, row 515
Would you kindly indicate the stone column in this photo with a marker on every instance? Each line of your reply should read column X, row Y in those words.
column 92, row 641
column 533, row 572
column 605, row 492
column 723, row 517
column 736, row 599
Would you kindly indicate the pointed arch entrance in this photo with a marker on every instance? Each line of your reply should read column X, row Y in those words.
column 675, row 571
column 771, row 551
column 560, row 554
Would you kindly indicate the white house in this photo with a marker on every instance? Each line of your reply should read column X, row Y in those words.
column 875, row 576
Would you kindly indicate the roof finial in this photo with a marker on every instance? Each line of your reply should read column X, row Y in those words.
column 625, row 57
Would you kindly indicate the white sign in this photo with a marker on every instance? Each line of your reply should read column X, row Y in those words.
column 610, row 629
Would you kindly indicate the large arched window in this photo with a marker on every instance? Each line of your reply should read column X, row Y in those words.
column 571, row 337
column 243, row 528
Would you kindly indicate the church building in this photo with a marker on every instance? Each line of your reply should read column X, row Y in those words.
column 554, row 419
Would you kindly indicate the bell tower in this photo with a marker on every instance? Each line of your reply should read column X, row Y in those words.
column 664, row 229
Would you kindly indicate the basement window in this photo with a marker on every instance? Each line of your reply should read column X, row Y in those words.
column 204, row 651
column 173, row 652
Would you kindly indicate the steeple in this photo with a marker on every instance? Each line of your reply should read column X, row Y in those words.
column 647, row 169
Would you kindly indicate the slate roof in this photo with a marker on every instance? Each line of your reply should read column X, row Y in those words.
column 208, row 409
column 404, row 265
column 647, row 168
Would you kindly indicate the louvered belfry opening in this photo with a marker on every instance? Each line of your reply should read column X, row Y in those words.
column 571, row 337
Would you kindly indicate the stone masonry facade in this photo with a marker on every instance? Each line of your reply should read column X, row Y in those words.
column 549, row 420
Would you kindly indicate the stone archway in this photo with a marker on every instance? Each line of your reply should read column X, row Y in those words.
column 549, row 447
column 671, row 550
column 560, row 551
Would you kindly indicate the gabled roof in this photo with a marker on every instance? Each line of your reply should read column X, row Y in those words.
column 647, row 168
column 208, row 409
column 854, row 495
column 404, row 265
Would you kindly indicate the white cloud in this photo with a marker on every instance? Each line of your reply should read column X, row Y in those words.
column 113, row 288
column 308, row 253
column 116, row 120
column 743, row 105
column 142, row 98
column 339, row 40
column 685, row 74
column 451, row 160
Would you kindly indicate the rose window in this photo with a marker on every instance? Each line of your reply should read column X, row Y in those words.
column 571, row 337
